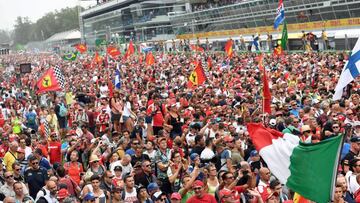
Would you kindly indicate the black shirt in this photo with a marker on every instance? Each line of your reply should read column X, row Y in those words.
column 35, row 179
column 349, row 156
column 135, row 159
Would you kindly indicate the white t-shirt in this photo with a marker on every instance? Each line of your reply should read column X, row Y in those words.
column 130, row 197
column 127, row 108
column 104, row 90
column 351, row 182
column 125, row 169
column 207, row 154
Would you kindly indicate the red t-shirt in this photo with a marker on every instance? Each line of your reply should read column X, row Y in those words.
column 3, row 150
column 158, row 116
column 206, row 198
column 55, row 152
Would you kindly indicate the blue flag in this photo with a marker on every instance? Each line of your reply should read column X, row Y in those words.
column 117, row 79
column 350, row 71
column 280, row 15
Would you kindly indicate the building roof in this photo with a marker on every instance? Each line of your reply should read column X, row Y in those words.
column 71, row 34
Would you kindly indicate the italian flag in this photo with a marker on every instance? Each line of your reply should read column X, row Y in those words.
column 307, row 169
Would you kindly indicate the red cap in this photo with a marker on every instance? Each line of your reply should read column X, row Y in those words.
column 341, row 117
column 20, row 150
column 225, row 192
column 176, row 196
column 62, row 194
column 198, row 183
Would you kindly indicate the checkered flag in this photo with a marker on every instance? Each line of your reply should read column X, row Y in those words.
column 60, row 77
column 47, row 128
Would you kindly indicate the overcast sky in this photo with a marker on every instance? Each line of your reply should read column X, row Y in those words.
column 34, row 9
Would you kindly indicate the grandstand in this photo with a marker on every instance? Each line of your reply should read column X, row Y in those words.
column 122, row 20
column 214, row 19
column 256, row 13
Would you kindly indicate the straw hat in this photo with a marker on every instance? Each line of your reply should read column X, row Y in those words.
column 93, row 158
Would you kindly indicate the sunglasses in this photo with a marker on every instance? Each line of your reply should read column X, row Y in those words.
column 308, row 131
column 10, row 176
column 95, row 162
column 335, row 127
column 35, row 163
column 163, row 200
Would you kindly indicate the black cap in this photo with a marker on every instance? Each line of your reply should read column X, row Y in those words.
column 117, row 168
column 355, row 139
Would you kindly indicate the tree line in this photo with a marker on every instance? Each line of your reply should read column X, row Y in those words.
column 53, row 22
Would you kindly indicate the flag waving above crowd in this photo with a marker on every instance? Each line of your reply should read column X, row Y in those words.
column 308, row 169
column 51, row 80
column 350, row 72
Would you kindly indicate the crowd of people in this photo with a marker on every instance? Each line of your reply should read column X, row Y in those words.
column 155, row 139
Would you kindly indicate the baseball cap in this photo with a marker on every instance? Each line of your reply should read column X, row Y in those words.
column 253, row 153
column 198, row 183
column 62, row 194
column 193, row 156
column 117, row 168
column 89, row 196
column 176, row 196
column 225, row 192
column 152, row 187
column 355, row 139
column 157, row 195
column 272, row 122
column 20, row 150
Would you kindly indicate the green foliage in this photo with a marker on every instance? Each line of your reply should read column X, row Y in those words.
column 4, row 37
column 48, row 25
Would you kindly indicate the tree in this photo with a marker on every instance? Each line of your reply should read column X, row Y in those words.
column 46, row 26
column 4, row 37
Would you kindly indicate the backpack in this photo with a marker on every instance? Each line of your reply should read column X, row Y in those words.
column 31, row 118
column 62, row 110
column 42, row 198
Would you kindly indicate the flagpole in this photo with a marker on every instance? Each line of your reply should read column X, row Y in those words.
column 347, row 128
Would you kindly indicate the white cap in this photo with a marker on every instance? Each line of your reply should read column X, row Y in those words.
column 272, row 122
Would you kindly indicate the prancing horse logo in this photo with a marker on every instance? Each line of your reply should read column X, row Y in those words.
column 46, row 81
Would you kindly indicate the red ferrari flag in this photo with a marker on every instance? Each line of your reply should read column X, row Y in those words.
column 98, row 59
column 150, row 59
column 196, row 48
column 278, row 51
column 228, row 48
column 197, row 76
column 266, row 88
column 113, row 51
column 51, row 80
column 130, row 51
column 81, row 48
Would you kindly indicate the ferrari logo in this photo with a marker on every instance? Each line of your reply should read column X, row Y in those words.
column 193, row 77
column 46, row 82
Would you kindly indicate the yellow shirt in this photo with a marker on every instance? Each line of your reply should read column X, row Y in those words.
column 69, row 98
column 9, row 159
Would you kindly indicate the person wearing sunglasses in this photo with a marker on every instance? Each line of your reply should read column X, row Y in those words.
column 7, row 188
column 35, row 177
column 159, row 197
column 200, row 194
column 89, row 197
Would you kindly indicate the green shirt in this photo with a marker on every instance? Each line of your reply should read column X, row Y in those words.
column 186, row 196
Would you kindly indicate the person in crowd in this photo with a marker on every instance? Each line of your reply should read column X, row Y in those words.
column 35, row 176
column 200, row 195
